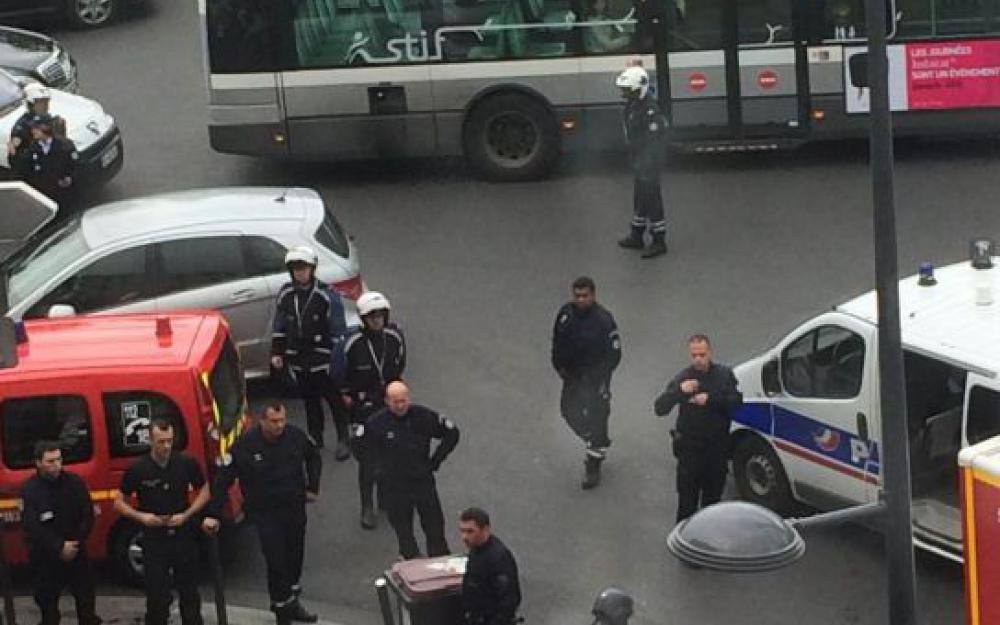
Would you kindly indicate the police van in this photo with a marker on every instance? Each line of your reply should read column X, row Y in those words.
column 810, row 428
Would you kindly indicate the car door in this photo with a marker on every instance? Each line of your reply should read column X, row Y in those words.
column 208, row 271
column 825, row 370
column 116, row 282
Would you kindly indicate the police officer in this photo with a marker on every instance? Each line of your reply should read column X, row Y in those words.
column 49, row 162
column 375, row 355
column 400, row 437
column 491, row 590
column 36, row 101
column 308, row 326
column 58, row 515
column 645, row 131
column 161, row 481
column 278, row 467
column 586, row 349
column 707, row 394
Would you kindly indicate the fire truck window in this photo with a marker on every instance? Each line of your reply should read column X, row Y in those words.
column 226, row 381
column 128, row 415
column 984, row 414
column 61, row 418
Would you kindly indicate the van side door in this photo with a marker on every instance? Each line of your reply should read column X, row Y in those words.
column 826, row 371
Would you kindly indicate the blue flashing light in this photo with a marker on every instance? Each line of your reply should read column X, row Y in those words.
column 927, row 275
column 20, row 332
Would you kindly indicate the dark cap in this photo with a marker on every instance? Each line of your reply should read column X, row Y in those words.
column 43, row 120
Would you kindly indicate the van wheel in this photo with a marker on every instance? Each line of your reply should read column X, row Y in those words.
column 511, row 137
column 92, row 13
column 126, row 553
column 760, row 478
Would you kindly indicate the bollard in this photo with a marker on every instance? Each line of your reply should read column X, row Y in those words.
column 383, row 600
column 9, row 618
column 222, row 617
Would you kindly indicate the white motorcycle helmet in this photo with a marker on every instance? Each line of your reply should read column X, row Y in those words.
column 301, row 254
column 372, row 301
column 634, row 80
column 35, row 91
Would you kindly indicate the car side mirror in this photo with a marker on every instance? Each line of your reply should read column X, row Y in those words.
column 61, row 310
column 769, row 378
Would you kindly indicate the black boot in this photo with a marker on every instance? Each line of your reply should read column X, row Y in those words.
column 300, row 614
column 658, row 247
column 282, row 614
column 591, row 473
column 633, row 240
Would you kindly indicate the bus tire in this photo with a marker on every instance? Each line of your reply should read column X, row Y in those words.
column 511, row 137
column 126, row 552
column 92, row 13
column 760, row 477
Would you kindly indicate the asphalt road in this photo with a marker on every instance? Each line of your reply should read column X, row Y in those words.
column 476, row 272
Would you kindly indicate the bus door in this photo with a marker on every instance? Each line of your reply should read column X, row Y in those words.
column 738, row 72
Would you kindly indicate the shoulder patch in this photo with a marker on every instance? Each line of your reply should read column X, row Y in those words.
column 447, row 423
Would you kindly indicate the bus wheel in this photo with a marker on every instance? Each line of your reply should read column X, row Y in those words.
column 92, row 13
column 760, row 478
column 126, row 552
column 511, row 137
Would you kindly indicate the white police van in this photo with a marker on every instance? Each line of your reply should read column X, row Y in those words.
column 800, row 435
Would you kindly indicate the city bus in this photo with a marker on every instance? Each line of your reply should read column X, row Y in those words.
column 512, row 84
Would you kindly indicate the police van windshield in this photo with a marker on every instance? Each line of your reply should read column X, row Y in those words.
column 226, row 382
column 34, row 265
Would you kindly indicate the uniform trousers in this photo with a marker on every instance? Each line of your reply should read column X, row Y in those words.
column 702, row 466
column 402, row 498
column 282, row 534
column 172, row 561
column 52, row 575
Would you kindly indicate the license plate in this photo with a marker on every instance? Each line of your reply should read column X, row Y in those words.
column 109, row 156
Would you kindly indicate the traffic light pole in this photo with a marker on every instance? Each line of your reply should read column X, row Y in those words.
column 895, row 441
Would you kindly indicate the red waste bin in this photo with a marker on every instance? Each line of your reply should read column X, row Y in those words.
column 426, row 591
column 980, row 476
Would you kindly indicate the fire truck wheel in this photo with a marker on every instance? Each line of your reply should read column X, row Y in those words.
column 760, row 478
column 126, row 552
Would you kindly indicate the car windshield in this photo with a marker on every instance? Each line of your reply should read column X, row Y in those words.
column 34, row 265
column 10, row 91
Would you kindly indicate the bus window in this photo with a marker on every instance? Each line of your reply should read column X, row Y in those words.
column 693, row 25
column 843, row 20
column 359, row 32
column 934, row 18
column 510, row 29
column 248, row 35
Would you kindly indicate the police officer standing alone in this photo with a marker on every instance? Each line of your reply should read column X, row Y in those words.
column 645, row 131
column 586, row 349
column 161, row 481
column 58, row 515
column 308, row 325
column 375, row 355
column 400, row 436
column 707, row 394
column 491, row 590
column 278, row 467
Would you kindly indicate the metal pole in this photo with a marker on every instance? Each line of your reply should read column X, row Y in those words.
column 895, row 442
column 383, row 600
column 221, row 615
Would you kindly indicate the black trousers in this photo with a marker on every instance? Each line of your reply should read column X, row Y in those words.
column 367, row 467
column 282, row 534
column 701, row 473
column 402, row 498
column 52, row 576
column 647, row 203
column 315, row 387
column 172, row 561
column 586, row 406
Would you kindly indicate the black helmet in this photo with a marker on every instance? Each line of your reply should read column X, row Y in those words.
column 613, row 606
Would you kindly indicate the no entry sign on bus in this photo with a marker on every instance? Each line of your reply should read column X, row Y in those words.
column 697, row 81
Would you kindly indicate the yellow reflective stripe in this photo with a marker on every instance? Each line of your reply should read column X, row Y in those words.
column 971, row 555
column 95, row 495
column 215, row 414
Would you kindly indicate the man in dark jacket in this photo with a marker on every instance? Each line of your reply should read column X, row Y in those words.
column 586, row 349
column 49, row 162
column 708, row 396
column 375, row 355
column 308, row 328
column 645, row 130
column 278, row 467
column 491, row 590
column 57, row 517
column 400, row 437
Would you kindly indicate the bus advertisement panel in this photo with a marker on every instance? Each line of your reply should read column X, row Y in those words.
column 932, row 75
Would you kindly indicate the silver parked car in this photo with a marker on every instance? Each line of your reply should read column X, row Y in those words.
column 212, row 248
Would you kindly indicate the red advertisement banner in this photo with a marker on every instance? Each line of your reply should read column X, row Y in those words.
column 953, row 74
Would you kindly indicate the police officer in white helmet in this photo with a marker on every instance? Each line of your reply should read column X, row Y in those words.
column 308, row 326
column 645, row 131
column 375, row 355
column 37, row 98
